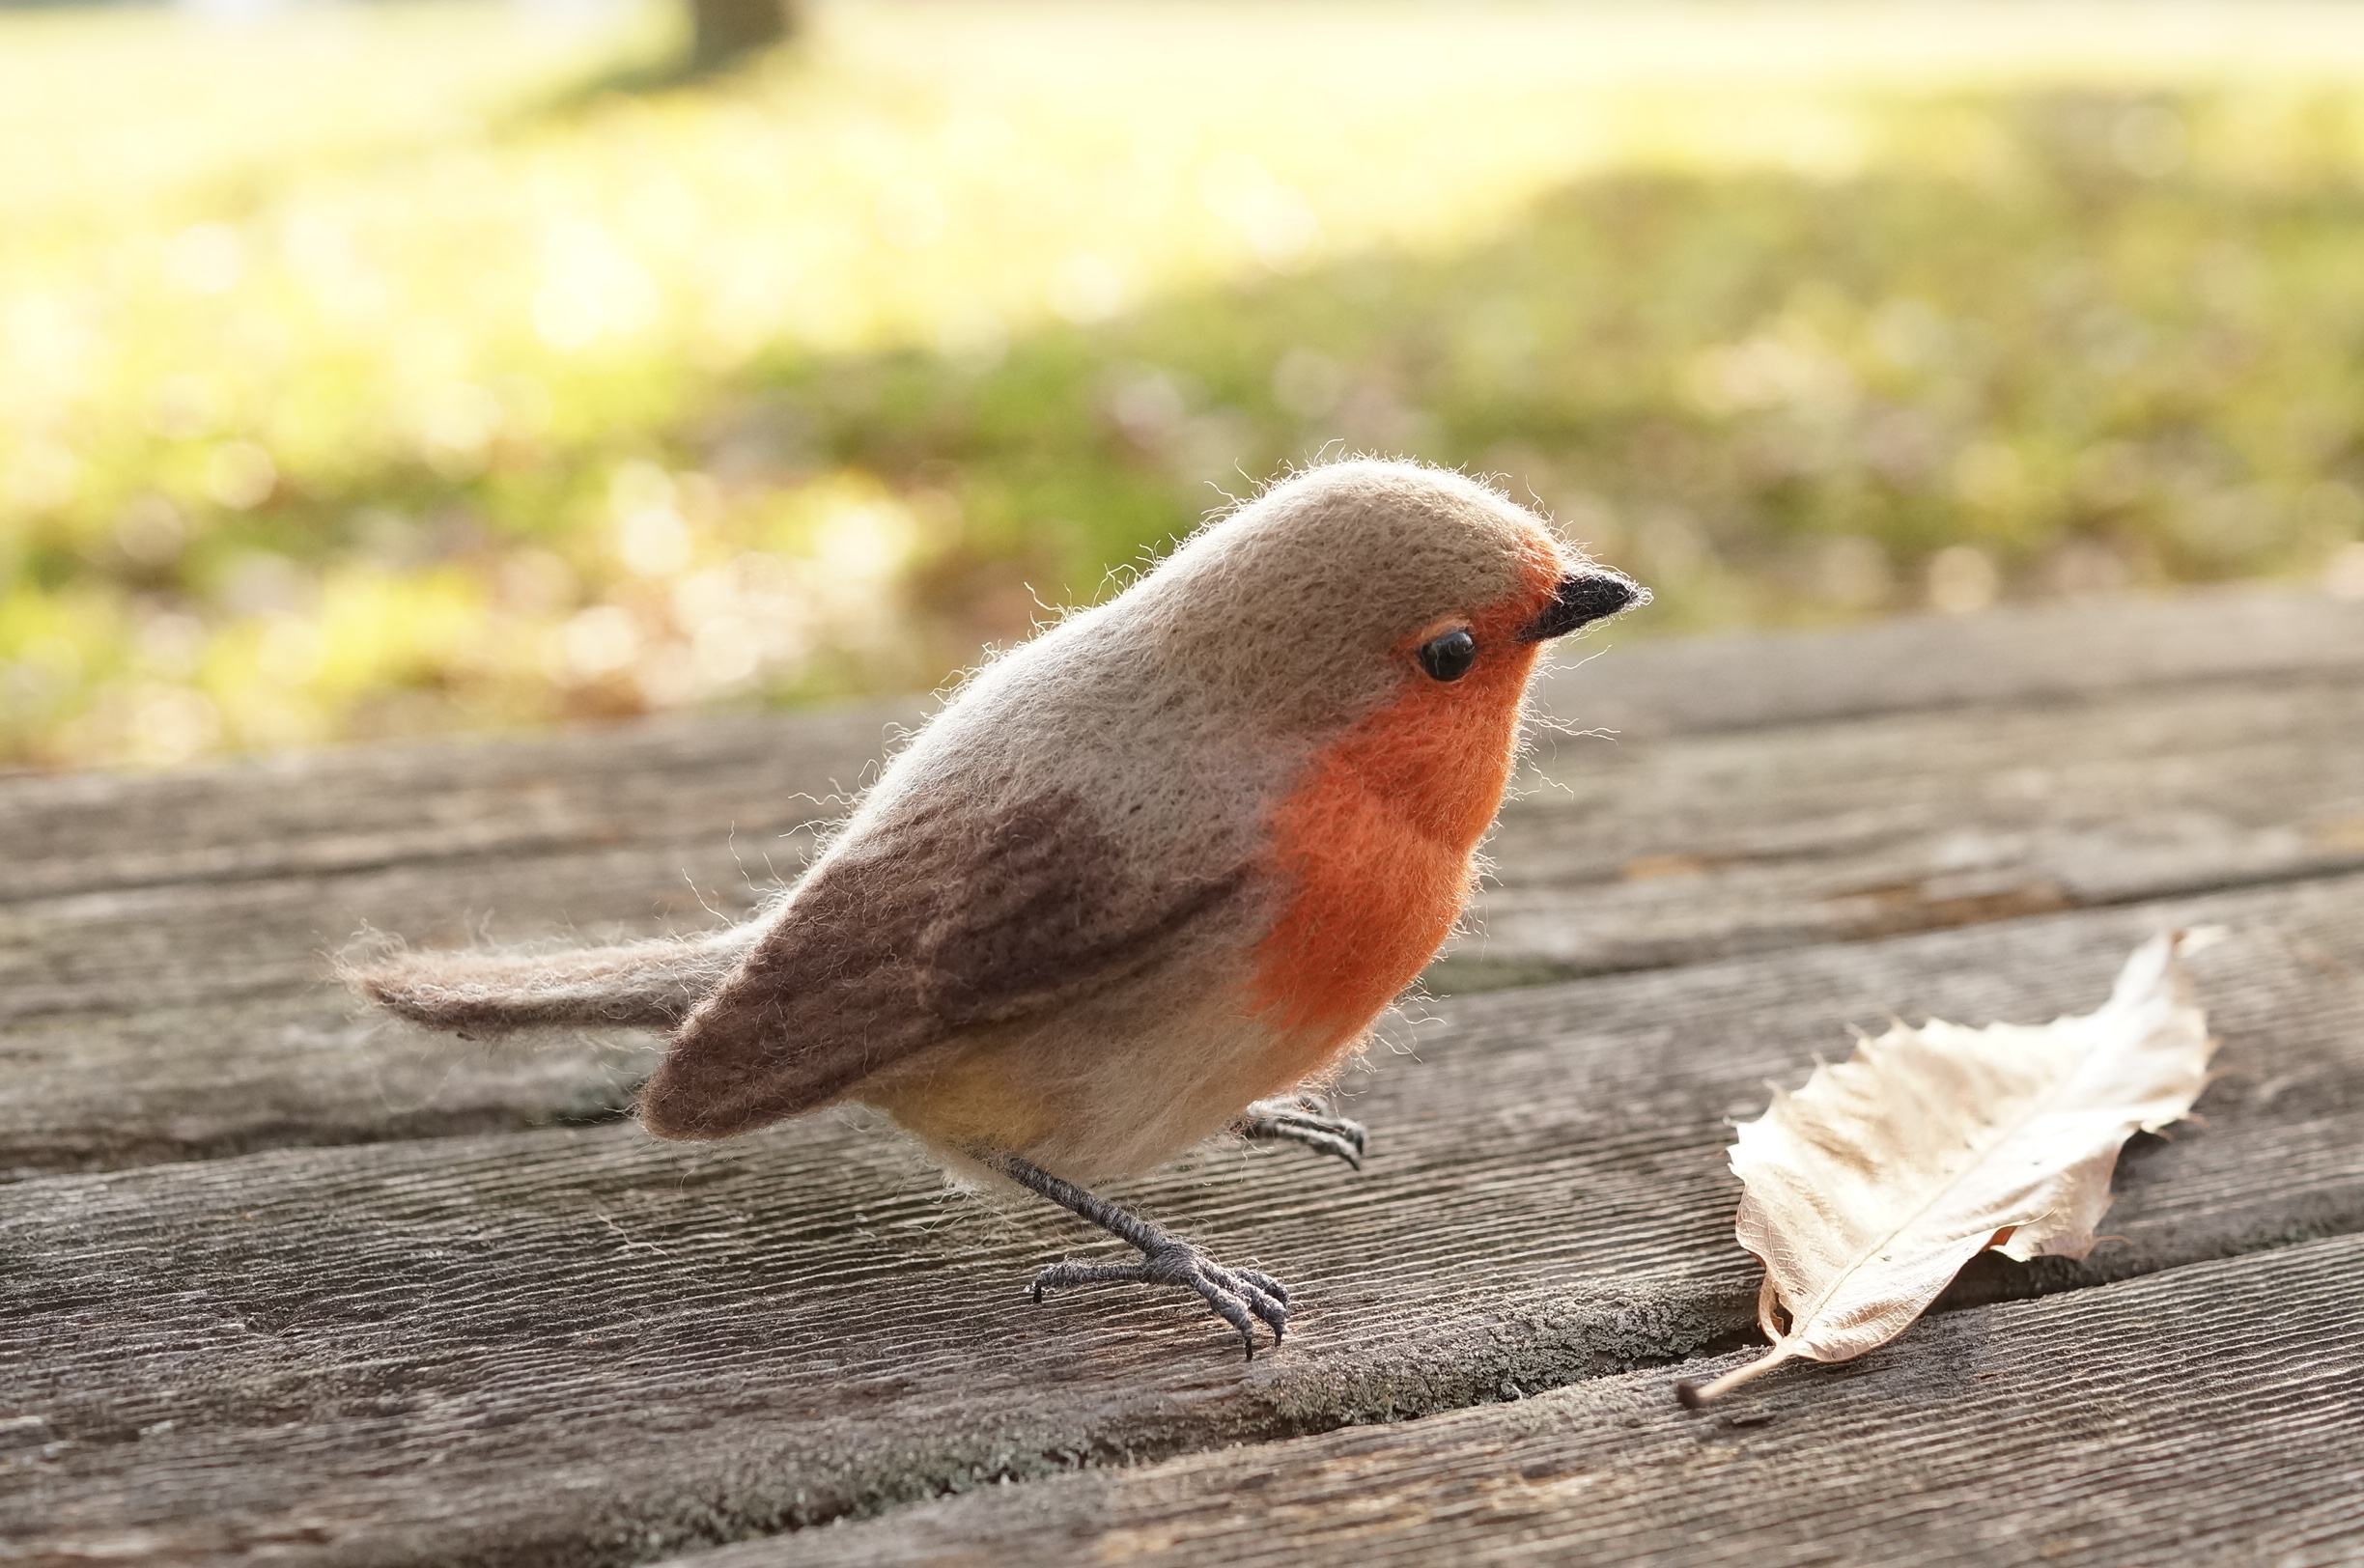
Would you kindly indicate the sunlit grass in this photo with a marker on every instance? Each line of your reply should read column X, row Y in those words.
column 373, row 372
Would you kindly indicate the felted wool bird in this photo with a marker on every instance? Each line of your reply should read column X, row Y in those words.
column 1168, row 860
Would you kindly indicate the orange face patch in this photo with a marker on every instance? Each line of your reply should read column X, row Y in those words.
column 1376, row 840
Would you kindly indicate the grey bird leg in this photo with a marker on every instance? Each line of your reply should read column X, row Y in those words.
column 1305, row 1120
column 1238, row 1296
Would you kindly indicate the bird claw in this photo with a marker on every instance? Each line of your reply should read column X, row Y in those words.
column 1240, row 1297
column 1305, row 1120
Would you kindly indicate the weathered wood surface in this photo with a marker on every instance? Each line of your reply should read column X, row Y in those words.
column 2209, row 1416
column 393, row 1309
column 159, row 987
column 1633, row 856
column 602, row 1346
column 673, row 780
column 2027, row 653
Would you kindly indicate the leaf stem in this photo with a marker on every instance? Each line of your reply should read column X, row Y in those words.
column 1692, row 1396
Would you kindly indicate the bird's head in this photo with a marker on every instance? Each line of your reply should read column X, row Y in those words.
column 1358, row 585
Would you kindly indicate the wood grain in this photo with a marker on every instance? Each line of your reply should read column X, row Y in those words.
column 188, row 1018
column 193, row 1082
column 676, row 780
column 580, row 1346
column 2077, row 648
column 1627, row 857
column 2211, row 1414
column 663, row 782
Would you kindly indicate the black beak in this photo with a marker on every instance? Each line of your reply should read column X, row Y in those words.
column 1583, row 598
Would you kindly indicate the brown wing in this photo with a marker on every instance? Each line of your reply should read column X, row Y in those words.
column 937, row 921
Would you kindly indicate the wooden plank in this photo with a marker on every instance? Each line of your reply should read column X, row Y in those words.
column 2019, row 653
column 2209, row 1415
column 1718, row 844
column 134, row 950
column 675, row 781
column 170, row 1083
column 188, row 1017
column 194, row 1020
column 582, row 1346
column 665, row 783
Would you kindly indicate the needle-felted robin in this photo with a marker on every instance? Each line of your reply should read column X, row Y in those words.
column 1168, row 860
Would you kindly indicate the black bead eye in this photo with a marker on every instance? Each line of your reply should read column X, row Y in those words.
column 1449, row 657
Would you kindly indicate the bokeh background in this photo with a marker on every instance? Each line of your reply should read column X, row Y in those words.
column 375, row 370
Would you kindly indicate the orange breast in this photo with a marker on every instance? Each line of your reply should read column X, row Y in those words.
column 1377, row 844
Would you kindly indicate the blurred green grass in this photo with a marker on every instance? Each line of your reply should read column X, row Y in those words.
column 381, row 373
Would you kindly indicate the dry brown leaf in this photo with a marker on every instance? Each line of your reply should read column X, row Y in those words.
column 1869, row 1188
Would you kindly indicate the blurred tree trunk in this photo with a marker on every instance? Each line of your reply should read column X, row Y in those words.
column 724, row 30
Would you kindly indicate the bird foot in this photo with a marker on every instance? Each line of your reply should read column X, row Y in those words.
column 1240, row 1297
column 1305, row 1120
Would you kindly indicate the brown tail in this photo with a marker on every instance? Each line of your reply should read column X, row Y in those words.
column 651, row 984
